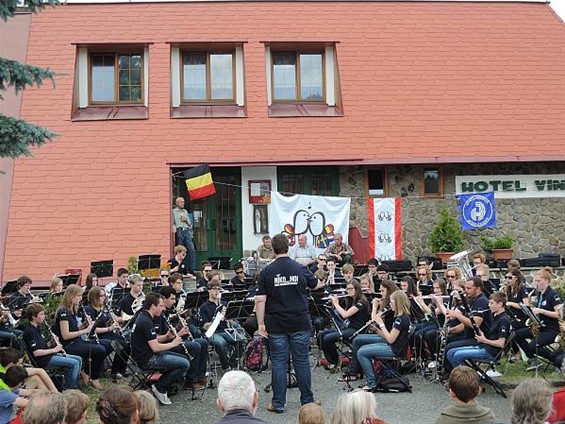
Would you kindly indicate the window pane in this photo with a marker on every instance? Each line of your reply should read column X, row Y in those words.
column 221, row 76
column 375, row 181
column 194, row 74
column 102, row 78
column 311, row 77
column 431, row 181
column 129, row 77
column 284, row 76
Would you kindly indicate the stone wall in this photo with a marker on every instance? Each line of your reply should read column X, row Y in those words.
column 536, row 225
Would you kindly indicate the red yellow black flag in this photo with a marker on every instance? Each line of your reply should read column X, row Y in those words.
column 199, row 182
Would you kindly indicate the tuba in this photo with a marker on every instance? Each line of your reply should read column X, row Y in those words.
column 460, row 260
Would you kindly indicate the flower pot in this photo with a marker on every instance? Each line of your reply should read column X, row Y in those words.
column 502, row 254
column 444, row 256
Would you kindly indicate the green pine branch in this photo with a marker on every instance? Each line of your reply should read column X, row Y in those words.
column 17, row 75
column 8, row 7
column 16, row 136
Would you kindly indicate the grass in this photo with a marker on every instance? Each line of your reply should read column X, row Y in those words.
column 514, row 373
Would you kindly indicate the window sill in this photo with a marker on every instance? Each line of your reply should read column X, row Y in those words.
column 283, row 110
column 208, row 111
column 110, row 113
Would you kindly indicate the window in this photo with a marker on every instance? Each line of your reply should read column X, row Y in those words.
column 302, row 79
column 207, row 77
column 433, row 182
column 298, row 76
column 111, row 82
column 207, row 80
column 376, row 182
column 317, row 181
column 116, row 78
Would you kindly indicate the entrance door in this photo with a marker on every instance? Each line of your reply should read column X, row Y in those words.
column 217, row 218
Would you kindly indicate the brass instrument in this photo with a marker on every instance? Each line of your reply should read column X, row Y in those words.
column 460, row 260
column 533, row 322
column 135, row 307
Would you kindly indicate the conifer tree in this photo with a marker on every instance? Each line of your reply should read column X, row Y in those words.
column 16, row 135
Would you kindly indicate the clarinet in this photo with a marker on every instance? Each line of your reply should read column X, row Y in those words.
column 476, row 328
column 56, row 340
column 90, row 322
column 114, row 319
column 443, row 340
column 174, row 331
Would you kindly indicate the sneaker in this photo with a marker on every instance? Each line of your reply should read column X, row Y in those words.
column 271, row 408
column 161, row 397
column 493, row 373
column 432, row 364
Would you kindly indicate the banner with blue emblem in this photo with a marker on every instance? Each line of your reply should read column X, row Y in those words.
column 477, row 210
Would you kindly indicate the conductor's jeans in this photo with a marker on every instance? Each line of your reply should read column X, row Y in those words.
column 281, row 345
column 92, row 355
column 173, row 367
column 536, row 345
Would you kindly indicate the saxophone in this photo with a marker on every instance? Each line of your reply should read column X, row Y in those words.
column 560, row 339
column 533, row 324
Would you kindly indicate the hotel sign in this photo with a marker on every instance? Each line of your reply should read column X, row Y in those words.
column 512, row 186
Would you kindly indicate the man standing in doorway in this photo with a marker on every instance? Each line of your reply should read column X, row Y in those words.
column 182, row 226
column 283, row 317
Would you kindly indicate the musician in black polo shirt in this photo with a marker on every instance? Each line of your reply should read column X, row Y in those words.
column 479, row 306
column 546, row 307
column 152, row 351
column 136, row 290
column 489, row 345
column 222, row 338
column 43, row 355
column 21, row 298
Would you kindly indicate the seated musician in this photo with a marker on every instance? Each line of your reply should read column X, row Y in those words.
column 90, row 281
column 451, row 275
column 425, row 281
column 133, row 298
column 116, row 289
column 319, row 264
column 250, row 325
column 265, row 252
column 18, row 300
column 164, row 275
column 348, row 270
column 390, row 344
column 197, row 348
column 333, row 272
column 434, row 311
column 383, row 272
column 517, row 294
column 43, row 355
column 238, row 282
column 340, row 251
column 56, row 287
column 489, row 345
column 202, row 283
column 479, row 311
column 367, row 284
column 221, row 338
column 178, row 263
column 69, row 327
column 378, row 306
column 483, row 272
column 152, row 351
column 108, row 329
column 355, row 314
column 546, row 308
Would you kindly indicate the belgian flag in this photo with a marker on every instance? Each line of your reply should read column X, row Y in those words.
column 199, row 182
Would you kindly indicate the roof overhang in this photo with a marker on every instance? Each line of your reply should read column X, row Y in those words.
column 300, row 1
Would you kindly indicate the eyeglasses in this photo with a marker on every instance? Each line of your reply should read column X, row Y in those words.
column 207, row 270
column 164, row 275
column 422, row 275
column 509, row 277
column 451, row 276
column 350, row 288
column 239, row 272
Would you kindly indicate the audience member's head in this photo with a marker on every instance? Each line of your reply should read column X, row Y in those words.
column 14, row 376
column 311, row 413
column 464, row 384
column 118, row 405
column 354, row 407
column 45, row 408
column 236, row 390
column 149, row 412
column 9, row 356
column 531, row 402
column 77, row 403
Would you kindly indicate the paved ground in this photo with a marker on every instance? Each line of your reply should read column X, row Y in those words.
column 421, row 406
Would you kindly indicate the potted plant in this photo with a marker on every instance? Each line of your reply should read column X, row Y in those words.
column 446, row 237
column 500, row 248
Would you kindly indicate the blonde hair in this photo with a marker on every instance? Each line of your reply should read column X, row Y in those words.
column 401, row 303
column 427, row 269
column 77, row 403
column 354, row 407
column 456, row 270
column 311, row 413
column 546, row 273
column 67, row 302
column 54, row 283
column 531, row 402
column 148, row 412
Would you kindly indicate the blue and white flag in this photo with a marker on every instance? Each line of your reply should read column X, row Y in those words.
column 477, row 210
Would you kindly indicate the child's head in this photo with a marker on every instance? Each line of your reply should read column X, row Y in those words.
column 15, row 376
column 311, row 413
column 464, row 383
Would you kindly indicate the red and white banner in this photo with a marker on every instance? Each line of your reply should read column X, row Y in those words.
column 385, row 224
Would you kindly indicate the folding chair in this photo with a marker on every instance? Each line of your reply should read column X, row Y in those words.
column 490, row 365
column 141, row 378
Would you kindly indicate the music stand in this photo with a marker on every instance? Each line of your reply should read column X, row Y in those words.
column 530, row 314
column 234, row 295
column 102, row 268
column 10, row 287
column 237, row 309
column 69, row 279
column 118, row 293
column 195, row 299
column 148, row 262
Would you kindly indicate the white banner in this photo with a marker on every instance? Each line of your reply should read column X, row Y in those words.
column 385, row 228
column 319, row 218
column 512, row 186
